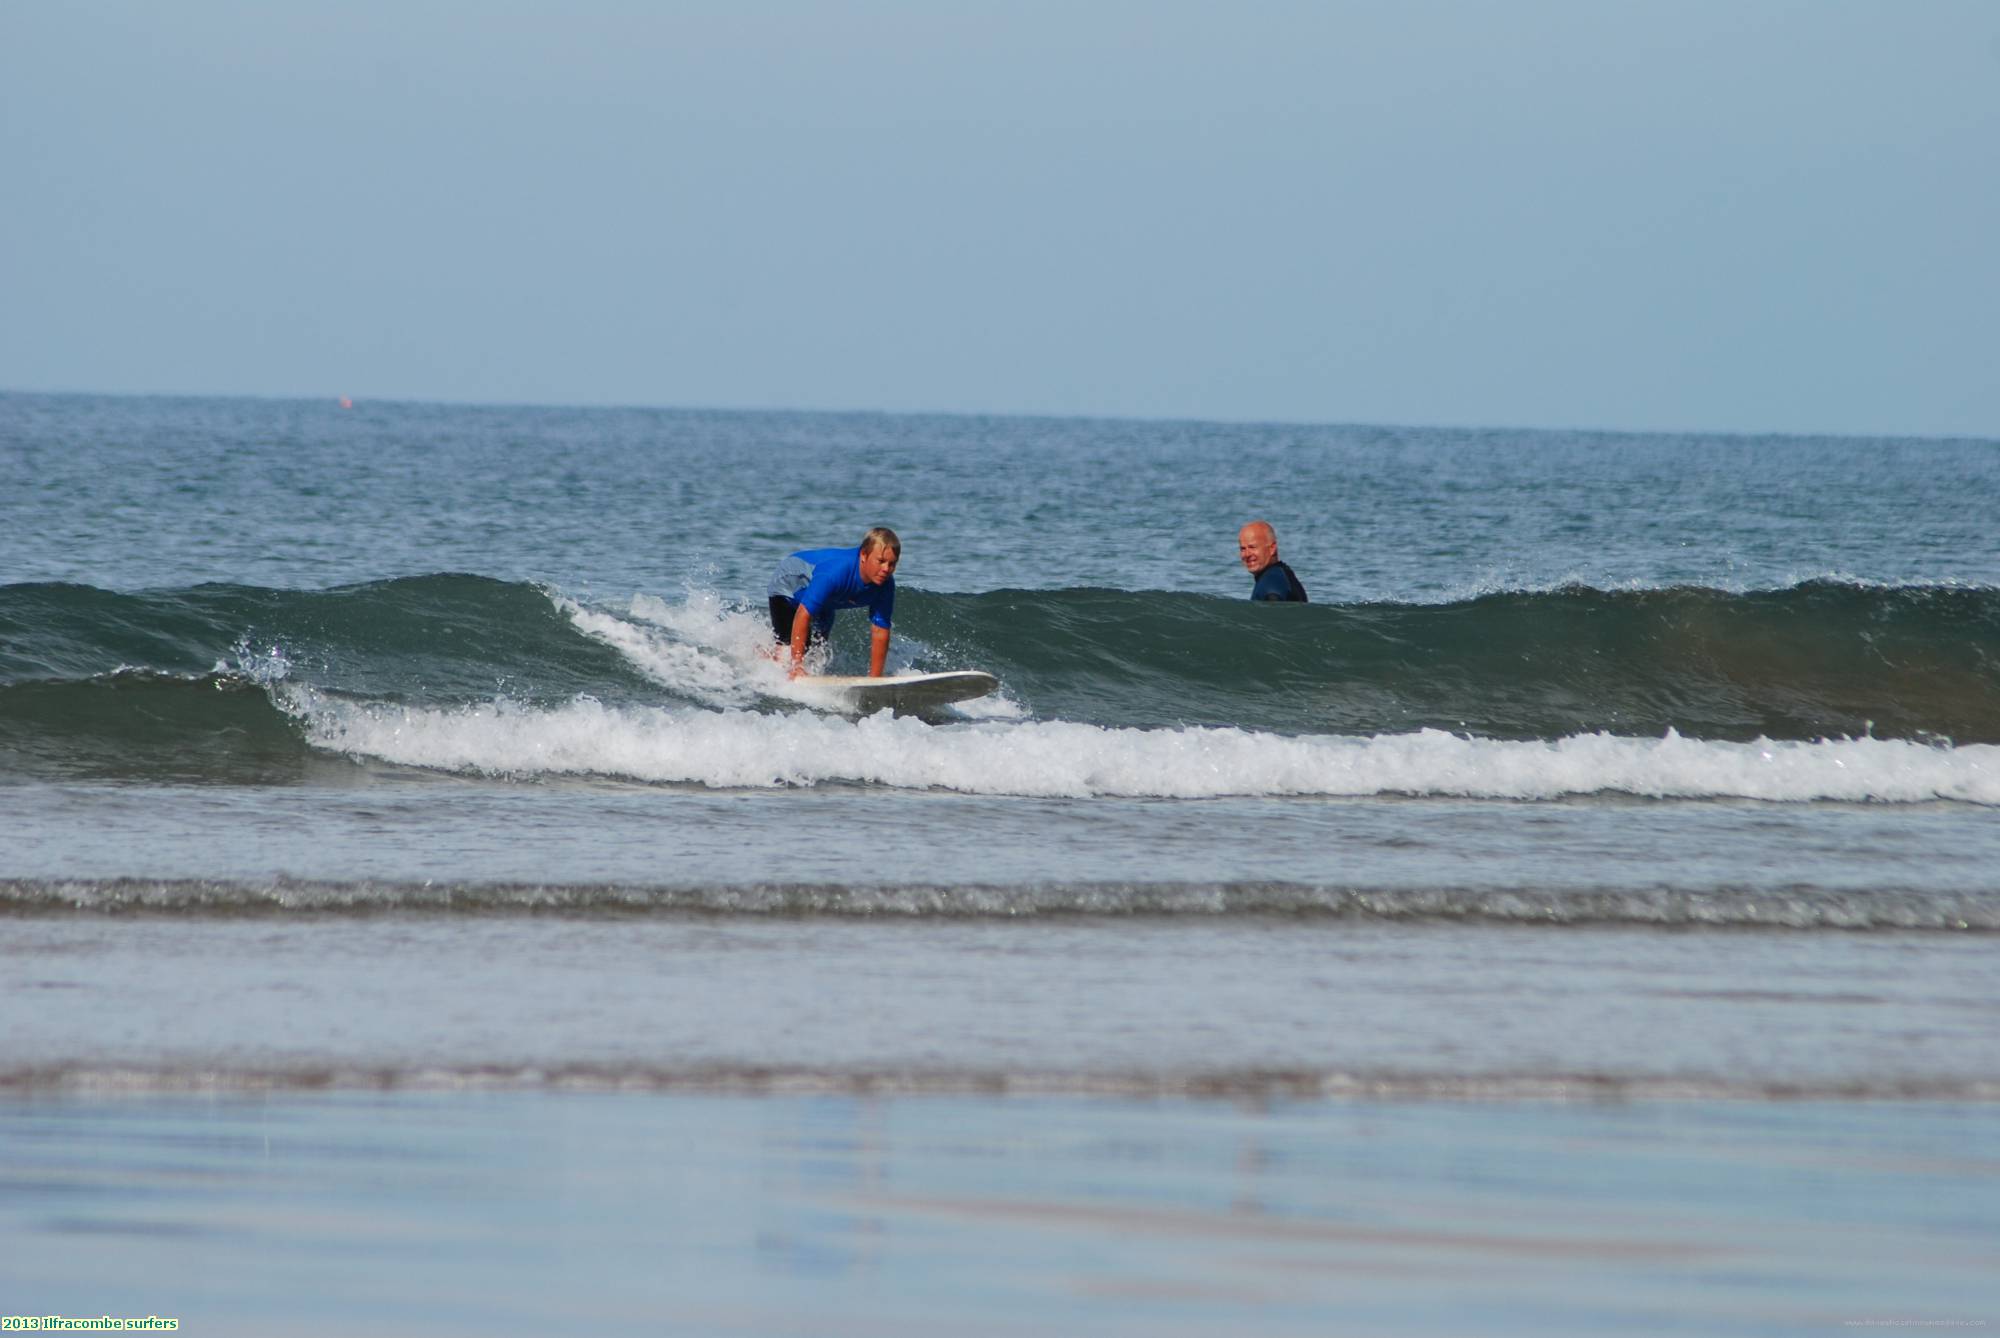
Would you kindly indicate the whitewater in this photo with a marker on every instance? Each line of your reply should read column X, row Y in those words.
column 724, row 749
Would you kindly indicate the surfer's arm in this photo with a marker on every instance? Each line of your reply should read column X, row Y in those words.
column 878, row 649
column 802, row 626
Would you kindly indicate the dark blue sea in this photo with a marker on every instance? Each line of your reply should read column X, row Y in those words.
column 1582, row 916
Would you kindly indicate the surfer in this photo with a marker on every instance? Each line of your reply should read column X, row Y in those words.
column 810, row 586
column 1257, row 545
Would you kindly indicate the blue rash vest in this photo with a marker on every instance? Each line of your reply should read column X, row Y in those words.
column 825, row 580
column 1276, row 583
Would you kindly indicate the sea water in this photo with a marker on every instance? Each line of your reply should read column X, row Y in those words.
column 396, row 806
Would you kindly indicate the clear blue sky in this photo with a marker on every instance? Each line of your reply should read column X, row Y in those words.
column 1738, row 215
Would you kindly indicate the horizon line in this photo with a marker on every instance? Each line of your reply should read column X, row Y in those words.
column 348, row 402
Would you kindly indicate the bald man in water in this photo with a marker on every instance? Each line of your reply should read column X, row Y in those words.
column 1257, row 545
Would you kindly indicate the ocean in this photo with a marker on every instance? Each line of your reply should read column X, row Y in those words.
column 425, row 907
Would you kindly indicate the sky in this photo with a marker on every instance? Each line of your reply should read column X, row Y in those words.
column 1706, row 215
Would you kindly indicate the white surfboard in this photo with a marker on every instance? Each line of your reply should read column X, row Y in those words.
column 903, row 693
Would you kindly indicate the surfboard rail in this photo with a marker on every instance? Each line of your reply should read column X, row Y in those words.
column 902, row 693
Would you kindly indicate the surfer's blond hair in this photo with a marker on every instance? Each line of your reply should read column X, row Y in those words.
column 879, row 537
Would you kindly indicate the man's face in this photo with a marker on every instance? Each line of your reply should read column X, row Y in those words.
column 1257, row 546
column 878, row 564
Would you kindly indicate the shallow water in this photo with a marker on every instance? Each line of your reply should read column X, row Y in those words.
column 1206, row 999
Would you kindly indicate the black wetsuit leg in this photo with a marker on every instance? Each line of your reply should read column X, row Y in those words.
column 783, row 611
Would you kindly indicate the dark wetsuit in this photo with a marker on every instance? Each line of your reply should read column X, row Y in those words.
column 1277, row 584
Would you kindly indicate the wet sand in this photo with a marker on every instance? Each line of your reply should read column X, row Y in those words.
column 517, row 1212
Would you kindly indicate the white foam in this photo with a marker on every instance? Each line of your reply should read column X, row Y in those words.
column 704, row 650
column 736, row 749
column 701, row 649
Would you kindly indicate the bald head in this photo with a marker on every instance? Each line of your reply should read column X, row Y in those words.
column 1257, row 545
